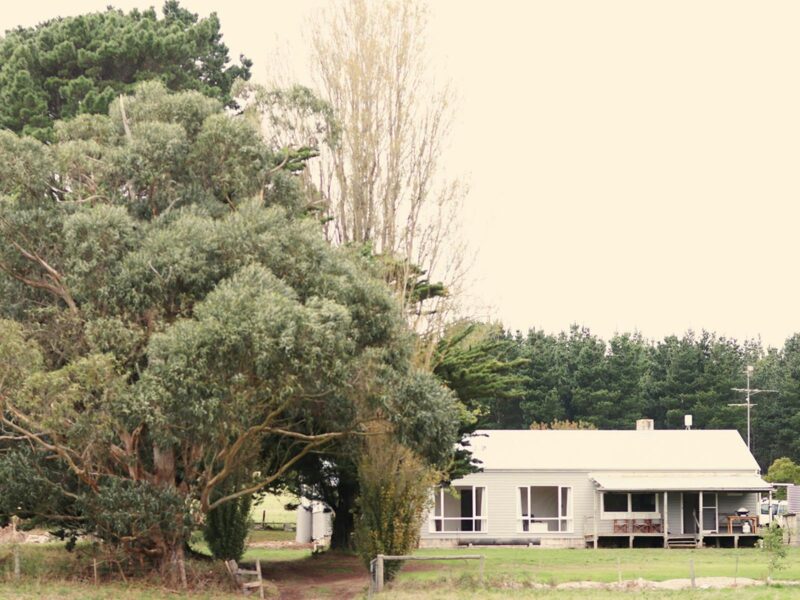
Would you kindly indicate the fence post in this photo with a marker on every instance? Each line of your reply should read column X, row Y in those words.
column 481, row 573
column 736, row 572
column 371, row 589
column 15, row 550
column 691, row 571
column 379, row 573
column 619, row 572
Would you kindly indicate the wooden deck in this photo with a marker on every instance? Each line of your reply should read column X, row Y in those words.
column 680, row 540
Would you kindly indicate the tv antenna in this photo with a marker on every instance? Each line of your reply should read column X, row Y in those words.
column 750, row 392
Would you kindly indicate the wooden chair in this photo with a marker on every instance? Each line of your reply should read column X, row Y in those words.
column 656, row 526
column 236, row 573
column 621, row 526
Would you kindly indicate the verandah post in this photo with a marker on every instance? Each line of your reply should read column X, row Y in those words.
column 700, row 521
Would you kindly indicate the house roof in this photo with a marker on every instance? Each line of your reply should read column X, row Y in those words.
column 619, row 450
column 685, row 482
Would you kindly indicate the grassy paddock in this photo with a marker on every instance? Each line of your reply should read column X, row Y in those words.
column 82, row 591
column 753, row 593
column 274, row 507
column 522, row 565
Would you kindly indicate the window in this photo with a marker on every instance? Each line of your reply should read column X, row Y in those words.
column 459, row 509
column 710, row 515
column 617, row 505
column 544, row 509
column 643, row 502
column 615, row 502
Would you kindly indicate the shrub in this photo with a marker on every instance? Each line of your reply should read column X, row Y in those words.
column 772, row 544
column 227, row 528
column 395, row 489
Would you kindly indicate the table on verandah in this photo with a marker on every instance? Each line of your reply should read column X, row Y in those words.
column 733, row 518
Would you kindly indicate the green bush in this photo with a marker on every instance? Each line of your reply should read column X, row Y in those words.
column 395, row 488
column 227, row 528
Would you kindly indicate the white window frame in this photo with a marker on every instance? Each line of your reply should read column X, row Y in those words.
column 568, row 517
column 629, row 514
column 483, row 519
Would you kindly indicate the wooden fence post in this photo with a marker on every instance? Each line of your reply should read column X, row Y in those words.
column 15, row 550
column 260, row 580
column 691, row 571
column 379, row 573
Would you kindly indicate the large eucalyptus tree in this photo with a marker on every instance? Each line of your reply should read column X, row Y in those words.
column 178, row 333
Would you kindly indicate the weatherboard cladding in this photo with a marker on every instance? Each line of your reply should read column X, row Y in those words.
column 514, row 459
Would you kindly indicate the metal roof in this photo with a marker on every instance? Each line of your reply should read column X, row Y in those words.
column 707, row 482
column 618, row 450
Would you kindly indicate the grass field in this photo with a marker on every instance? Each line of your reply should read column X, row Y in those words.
column 605, row 565
column 274, row 507
column 755, row 593
column 50, row 572
column 81, row 591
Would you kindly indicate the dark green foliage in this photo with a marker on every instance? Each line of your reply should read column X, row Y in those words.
column 576, row 376
column 484, row 368
column 31, row 487
column 78, row 65
column 227, row 527
column 178, row 323
column 137, row 515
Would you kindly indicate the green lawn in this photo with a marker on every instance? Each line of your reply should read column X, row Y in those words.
column 81, row 591
column 51, row 572
column 753, row 593
column 270, row 535
column 274, row 507
column 524, row 565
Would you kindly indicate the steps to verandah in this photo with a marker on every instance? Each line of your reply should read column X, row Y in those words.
column 687, row 541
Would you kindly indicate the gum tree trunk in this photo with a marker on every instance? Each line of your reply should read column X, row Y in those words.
column 343, row 524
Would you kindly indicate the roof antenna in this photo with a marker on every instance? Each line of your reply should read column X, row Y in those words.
column 747, row 403
column 687, row 421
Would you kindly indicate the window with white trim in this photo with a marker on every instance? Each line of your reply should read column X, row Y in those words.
column 459, row 509
column 544, row 509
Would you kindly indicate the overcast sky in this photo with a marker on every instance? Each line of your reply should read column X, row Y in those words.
column 632, row 165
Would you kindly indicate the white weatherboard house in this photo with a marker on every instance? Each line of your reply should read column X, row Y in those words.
column 578, row 488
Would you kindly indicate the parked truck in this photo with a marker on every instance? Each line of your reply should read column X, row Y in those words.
column 772, row 511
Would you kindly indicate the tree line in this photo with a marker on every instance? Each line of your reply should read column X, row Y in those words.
column 515, row 380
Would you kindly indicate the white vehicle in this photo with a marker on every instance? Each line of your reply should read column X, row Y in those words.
column 770, row 512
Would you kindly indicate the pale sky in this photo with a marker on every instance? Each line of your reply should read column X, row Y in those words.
column 632, row 164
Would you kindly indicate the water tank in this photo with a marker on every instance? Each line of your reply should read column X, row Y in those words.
column 321, row 523
column 793, row 498
column 304, row 523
